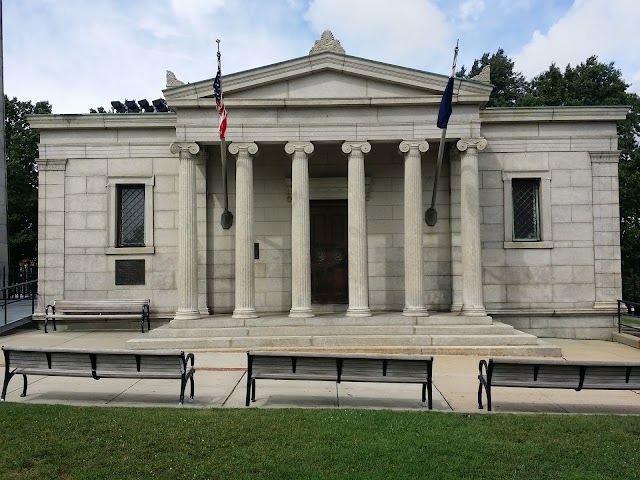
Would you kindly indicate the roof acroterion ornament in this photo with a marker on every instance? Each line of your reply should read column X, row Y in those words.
column 172, row 81
column 327, row 43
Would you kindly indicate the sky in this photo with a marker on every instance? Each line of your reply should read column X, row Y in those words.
column 82, row 54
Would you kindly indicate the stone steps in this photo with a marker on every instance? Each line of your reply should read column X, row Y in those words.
column 335, row 330
column 383, row 332
column 328, row 320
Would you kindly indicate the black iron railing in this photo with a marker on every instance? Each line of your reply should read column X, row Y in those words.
column 28, row 291
column 628, row 317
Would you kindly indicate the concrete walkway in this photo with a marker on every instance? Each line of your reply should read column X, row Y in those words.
column 220, row 382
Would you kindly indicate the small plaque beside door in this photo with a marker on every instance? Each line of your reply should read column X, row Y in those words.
column 129, row 272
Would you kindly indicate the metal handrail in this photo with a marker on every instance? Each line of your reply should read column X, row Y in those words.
column 30, row 286
column 633, row 309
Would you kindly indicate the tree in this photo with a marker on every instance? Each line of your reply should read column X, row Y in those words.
column 22, row 178
column 509, row 85
column 99, row 110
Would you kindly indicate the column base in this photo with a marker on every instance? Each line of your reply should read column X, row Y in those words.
column 204, row 311
column 473, row 311
column 187, row 315
column 244, row 313
column 608, row 306
column 415, row 312
column 358, row 312
column 456, row 307
column 301, row 313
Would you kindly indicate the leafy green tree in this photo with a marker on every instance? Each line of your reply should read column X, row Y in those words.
column 509, row 85
column 98, row 110
column 22, row 178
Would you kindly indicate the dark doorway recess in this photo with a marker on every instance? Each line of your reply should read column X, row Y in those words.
column 329, row 262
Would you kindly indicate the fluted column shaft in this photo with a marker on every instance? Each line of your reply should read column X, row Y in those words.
column 187, row 231
column 245, row 281
column 472, row 302
column 413, row 262
column 300, row 231
column 357, row 239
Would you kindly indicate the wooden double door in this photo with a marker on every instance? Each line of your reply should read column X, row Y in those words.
column 329, row 254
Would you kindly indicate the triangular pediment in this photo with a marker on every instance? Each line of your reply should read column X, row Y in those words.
column 328, row 77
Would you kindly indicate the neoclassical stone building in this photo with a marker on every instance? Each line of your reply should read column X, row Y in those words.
column 332, row 162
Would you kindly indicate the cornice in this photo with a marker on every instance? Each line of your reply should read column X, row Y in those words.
column 209, row 103
column 102, row 121
column 553, row 114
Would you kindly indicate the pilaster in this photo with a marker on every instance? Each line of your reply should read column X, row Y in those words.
column 413, row 261
column 51, row 232
column 472, row 302
column 357, row 240
column 187, row 231
column 606, row 229
column 245, row 280
column 300, row 229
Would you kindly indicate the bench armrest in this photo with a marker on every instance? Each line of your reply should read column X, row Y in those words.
column 484, row 380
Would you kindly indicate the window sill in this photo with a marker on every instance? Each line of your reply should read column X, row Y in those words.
column 129, row 250
column 543, row 244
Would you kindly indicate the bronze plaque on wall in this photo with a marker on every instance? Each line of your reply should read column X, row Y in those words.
column 129, row 272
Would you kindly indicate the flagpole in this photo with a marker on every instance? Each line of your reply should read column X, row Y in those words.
column 226, row 220
column 431, row 215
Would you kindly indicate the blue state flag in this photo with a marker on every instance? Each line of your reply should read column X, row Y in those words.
column 445, row 105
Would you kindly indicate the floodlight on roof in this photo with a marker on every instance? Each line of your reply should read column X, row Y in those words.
column 144, row 104
column 161, row 105
column 118, row 106
column 132, row 106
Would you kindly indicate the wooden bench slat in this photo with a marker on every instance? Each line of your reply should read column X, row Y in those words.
column 348, row 367
column 577, row 375
column 78, row 310
column 98, row 364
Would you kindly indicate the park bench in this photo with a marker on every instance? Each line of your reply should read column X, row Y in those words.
column 528, row 373
column 74, row 310
column 97, row 364
column 339, row 367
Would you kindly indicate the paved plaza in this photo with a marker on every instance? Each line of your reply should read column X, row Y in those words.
column 220, row 381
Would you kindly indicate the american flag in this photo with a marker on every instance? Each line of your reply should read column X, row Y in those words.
column 222, row 111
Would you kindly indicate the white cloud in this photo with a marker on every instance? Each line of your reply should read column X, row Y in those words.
column 470, row 9
column 405, row 32
column 604, row 28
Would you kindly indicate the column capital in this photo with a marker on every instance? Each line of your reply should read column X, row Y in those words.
column 178, row 147
column 464, row 143
column 293, row 147
column 244, row 147
column 57, row 164
column 407, row 145
column 348, row 147
column 605, row 157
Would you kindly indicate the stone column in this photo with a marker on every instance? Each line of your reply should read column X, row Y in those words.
column 456, row 249
column 187, row 231
column 300, row 231
column 472, row 303
column 51, row 231
column 413, row 262
column 201, row 220
column 606, row 230
column 245, row 281
column 357, row 241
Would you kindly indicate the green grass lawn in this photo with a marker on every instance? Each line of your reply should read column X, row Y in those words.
column 61, row 442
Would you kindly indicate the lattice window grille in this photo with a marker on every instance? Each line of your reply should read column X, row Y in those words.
column 131, row 232
column 526, row 209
